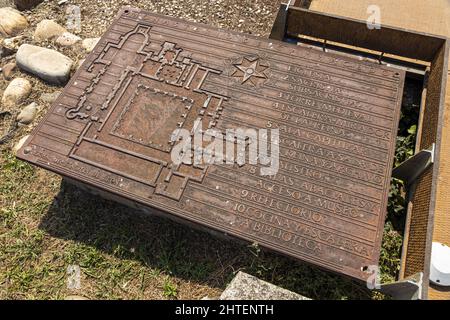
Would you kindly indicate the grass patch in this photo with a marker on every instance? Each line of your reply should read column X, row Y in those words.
column 170, row 289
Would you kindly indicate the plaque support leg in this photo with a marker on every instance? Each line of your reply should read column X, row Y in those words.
column 413, row 168
column 279, row 26
column 407, row 289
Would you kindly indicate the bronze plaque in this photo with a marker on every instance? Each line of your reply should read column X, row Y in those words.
column 151, row 76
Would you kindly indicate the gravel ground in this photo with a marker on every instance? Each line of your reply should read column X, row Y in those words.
column 249, row 16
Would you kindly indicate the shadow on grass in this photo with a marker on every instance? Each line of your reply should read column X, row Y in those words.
column 180, row 251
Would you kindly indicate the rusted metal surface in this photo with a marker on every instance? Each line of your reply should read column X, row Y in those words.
column 149, row 75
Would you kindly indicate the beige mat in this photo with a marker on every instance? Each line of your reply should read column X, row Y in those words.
column 432, row 16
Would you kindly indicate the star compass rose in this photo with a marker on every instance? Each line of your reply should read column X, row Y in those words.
column 250, row 70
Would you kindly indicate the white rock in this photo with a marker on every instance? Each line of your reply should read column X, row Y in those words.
column 67, row 39
column 13, row 43
column 248, row 287
column 20, row 144
column 47, row 64
column 49, row 97
column 8, row 70
column 89, row 43
column 47, row 29
column 11, row 22
column 17, row 91
column 27, row 115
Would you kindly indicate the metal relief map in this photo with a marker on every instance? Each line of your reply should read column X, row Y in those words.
column 150, row 75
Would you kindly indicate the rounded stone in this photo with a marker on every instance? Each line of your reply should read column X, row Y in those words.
column 17, row 91
column 8, row 70
column 47, row 29
column 47, row 64
column 12, row 44
column 27, row 115
column 67, row 39
column 11, row 22
column 49, row 97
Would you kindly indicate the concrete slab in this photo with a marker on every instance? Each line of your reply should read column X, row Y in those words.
column 248, row 287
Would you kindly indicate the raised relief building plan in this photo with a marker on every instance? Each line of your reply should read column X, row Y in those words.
column 150, row 75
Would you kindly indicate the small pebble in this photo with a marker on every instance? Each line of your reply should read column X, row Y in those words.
column 17, row 91
column 27, row 115
column 49, row 97
column 8, row 70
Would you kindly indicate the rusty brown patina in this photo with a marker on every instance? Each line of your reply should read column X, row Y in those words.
column 149, row 75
